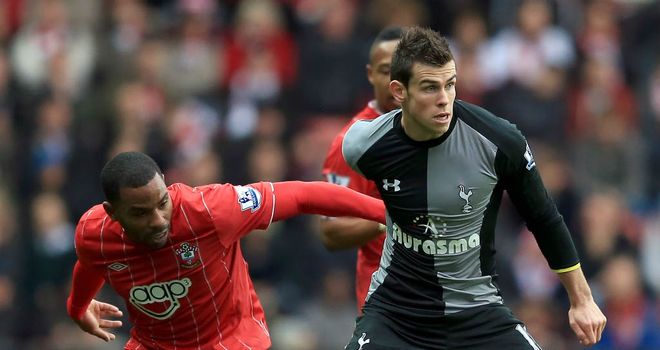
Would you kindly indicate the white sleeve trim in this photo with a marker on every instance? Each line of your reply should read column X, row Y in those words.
column 272, row 211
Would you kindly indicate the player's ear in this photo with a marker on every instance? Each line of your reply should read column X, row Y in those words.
column 370, row 74
column 109, row 209
column 398, row 91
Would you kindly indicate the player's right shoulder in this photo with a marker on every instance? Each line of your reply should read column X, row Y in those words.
column 363, row 134
column 93, row 216
column 95, row 226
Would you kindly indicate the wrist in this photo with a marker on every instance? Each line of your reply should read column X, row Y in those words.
column 580, row 298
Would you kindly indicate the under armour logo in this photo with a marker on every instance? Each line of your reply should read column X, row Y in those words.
column 362, row 341
column 466, row 197
column 387, row 185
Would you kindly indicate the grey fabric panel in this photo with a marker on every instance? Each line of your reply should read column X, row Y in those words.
column 379, row 276
column 362, row 135
column 463, row 294
column 461, row 179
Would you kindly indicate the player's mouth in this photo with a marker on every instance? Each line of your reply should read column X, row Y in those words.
column 442, row 118
column 160, row 235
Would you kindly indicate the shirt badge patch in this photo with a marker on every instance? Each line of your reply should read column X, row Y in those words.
column 338, row 179
column 188, row 255
column 466, row 197
column 529, row 157
column 248, row 198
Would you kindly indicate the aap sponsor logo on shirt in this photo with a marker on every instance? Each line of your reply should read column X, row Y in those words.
column 165, row 295
column 248, row 198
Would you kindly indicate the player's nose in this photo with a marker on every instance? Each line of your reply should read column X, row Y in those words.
column 158, row 221
column 443, row 98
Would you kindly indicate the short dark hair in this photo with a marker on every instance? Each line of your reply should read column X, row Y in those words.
column 127, row 169
column 387, row 34
column 418, row 45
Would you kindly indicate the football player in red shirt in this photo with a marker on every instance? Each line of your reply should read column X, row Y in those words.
column 342, row 233
column 173, row 254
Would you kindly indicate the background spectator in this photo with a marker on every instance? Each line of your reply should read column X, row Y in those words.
column 256, row 89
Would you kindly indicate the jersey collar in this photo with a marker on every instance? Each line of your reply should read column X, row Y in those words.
column 427, row 143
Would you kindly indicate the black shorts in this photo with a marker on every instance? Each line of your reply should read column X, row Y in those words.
column 482, row 328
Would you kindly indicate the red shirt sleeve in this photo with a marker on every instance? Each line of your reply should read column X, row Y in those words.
column 87, row 280
column 86, row 283
column 237, row 210
column 297, row 197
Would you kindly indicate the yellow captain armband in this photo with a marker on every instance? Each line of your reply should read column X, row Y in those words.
column 568, row 269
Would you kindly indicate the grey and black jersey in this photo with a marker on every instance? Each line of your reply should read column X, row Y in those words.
column 442, row 197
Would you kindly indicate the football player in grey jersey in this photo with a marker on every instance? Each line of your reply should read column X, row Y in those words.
column 441, row 166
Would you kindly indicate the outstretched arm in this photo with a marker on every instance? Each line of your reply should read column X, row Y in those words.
column 89, row 314
column 527, row 192
column 584, row 316
column 297, row 197
column 343, row 233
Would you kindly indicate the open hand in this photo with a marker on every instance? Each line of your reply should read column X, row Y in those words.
column 94, row 320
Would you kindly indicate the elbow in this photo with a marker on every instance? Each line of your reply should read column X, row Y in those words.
column 330, row 237
column 329, row 241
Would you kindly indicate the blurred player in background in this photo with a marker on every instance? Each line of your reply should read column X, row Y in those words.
column 173, row 254
column 342, row 233
column 441, row 166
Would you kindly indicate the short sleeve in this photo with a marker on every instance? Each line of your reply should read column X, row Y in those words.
column 237, row 210
column 86, row 242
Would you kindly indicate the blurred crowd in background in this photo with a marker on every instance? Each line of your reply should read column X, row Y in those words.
column 244, row 91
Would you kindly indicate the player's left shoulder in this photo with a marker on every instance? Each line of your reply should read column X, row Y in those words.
column 199, row 203
column 474, row 115
column 498, row 130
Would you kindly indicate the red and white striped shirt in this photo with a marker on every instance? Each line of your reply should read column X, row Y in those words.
column 194, row 293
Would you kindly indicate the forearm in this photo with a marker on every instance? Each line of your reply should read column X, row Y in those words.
column 576, row 287
column 85, row 284
column 297, row 197
column 540, row 213
column 344, row 233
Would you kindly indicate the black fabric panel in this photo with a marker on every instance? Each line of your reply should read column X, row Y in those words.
column 414, row 292
column 540, row 213
column 392, row 159
column 487, row 233
column 524, row 186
